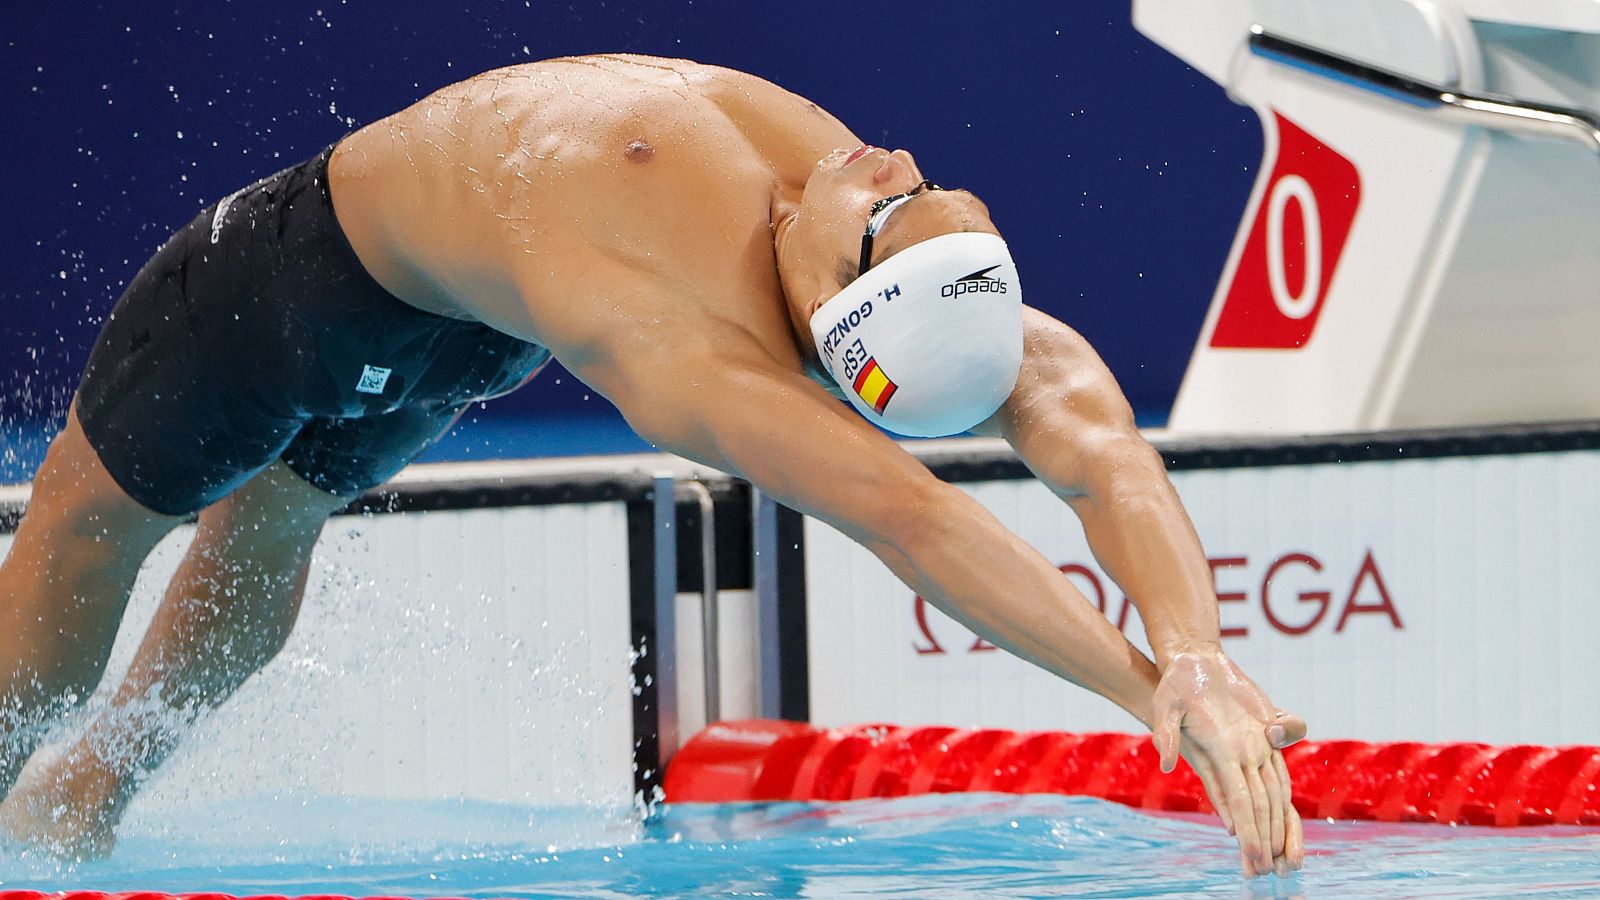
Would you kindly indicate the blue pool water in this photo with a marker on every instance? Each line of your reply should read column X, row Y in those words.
column 982, row 845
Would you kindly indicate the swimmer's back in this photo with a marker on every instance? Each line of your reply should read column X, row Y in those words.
column 632, row 181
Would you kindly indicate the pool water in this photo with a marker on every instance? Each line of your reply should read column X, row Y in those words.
column 951, row 845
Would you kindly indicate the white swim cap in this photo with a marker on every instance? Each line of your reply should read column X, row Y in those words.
column 929, row 342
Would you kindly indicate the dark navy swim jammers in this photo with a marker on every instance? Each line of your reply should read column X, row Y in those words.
column 255, row 334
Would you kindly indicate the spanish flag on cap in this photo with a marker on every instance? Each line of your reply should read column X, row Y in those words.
column 873, row 386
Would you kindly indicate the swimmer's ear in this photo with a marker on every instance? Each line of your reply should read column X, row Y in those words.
column 801, row 322
column 810, row 309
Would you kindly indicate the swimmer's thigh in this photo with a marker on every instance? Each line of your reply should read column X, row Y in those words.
column 65, row 581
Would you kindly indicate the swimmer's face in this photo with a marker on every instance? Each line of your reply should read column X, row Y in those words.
column 819, row 246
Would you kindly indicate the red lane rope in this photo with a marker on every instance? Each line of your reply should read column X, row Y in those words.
column 1403, row 781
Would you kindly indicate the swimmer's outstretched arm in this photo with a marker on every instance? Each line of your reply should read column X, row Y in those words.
column 1072, row 426
column 735, row 407
column 776, row 428
column 773, row 426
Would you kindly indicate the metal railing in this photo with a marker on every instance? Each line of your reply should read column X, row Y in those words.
column 1483, row 110
column 668, row 490
column 710, row 620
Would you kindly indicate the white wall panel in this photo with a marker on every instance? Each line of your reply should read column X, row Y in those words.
column 479, row 654
column 1488, row 564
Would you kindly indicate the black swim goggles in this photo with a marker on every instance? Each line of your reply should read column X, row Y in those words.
column 879, row 214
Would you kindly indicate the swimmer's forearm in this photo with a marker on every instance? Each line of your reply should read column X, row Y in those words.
column 1073, row 427
column 1142, row 538
column 957, row 556
column 800, row 448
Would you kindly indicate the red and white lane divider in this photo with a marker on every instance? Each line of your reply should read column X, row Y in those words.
column 1467, row 784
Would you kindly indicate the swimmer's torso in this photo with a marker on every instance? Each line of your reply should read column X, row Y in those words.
column 588, row 203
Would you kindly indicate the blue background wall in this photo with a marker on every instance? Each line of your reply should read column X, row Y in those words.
column 1117, row 173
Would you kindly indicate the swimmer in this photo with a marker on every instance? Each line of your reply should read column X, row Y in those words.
column 717, row 257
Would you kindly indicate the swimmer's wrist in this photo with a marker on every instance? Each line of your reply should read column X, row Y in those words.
column 1173, row 647
column 1138, row 698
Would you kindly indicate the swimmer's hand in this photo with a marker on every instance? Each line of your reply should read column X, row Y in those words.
column 1208, row 711
column 61, row 810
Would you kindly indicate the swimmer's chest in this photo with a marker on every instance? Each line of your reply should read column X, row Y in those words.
column 665, row 243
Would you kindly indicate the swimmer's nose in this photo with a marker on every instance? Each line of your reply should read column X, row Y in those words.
column 897, row 166
column 905, row 156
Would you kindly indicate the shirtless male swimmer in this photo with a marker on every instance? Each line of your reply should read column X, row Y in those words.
column 674, row 234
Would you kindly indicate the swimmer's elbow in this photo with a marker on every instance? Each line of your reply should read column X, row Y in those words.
column 887, row 506
column 906, row 518
column 1118, row 472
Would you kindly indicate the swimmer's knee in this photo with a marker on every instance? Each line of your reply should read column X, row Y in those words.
column 276, row 515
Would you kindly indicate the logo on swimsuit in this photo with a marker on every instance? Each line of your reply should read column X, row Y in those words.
column 373, row 378
column 221, row 214
column 978, row 282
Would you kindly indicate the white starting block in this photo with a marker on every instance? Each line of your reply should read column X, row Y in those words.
column 1422, row 245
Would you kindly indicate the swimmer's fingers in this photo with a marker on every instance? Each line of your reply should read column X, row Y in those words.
column 1261, row 811
column 1243, row 807
column 1276, row 802
column 1294, row 839
column 1285, row 866
column 1294, row 845
column 1208, row 780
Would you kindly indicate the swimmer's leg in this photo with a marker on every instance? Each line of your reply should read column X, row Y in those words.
column 234, row 599
column 227, row 611
column 63, row 588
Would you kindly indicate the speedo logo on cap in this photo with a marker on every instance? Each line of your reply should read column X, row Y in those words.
column 979, row 282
